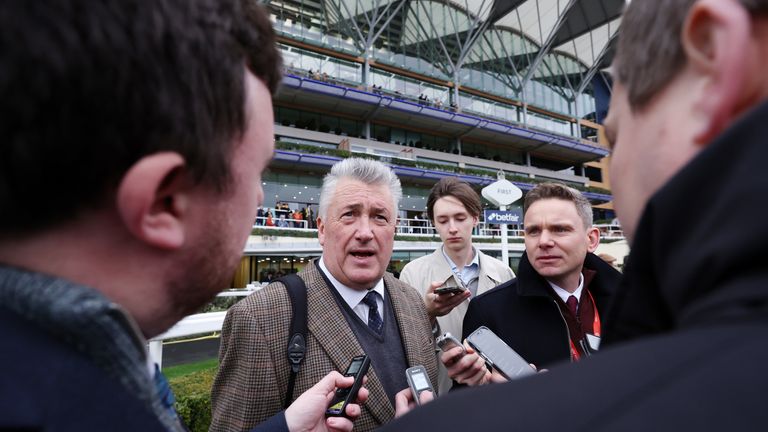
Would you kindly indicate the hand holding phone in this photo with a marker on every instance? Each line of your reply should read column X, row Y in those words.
column 498, row 354
column 448, row 341
column 357, row 368
column 440, row 299
column 418, row 380
column 449, row 290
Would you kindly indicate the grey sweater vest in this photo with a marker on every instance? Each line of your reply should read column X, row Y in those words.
column 386, row 351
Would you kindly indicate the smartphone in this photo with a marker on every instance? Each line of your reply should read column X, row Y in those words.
column 357, row 368
column 498, row 354
column 448, row 341
column 449, row 290
column 418, row 380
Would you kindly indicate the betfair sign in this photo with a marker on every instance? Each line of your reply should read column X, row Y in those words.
column 503, row 217
column 502, row 192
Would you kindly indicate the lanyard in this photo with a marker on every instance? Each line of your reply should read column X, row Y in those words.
column 575, row 355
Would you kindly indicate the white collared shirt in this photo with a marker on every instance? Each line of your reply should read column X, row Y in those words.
column 354, row 298
column 563, row 294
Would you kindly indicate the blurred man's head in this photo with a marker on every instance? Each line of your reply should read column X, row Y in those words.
column 133, row 138
column 454, row 208
column 684, row 70
column 356, row 222
column 558, row 232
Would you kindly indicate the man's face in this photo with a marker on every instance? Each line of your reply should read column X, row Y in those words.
column 649, row 146
column 226, row 218
column 556, row 241
column 453, row 223
column 358, row 232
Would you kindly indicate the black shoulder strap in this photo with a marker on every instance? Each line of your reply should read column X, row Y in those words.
column 297, row 344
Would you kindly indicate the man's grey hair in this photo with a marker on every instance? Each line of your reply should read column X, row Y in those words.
column 560, row 191
column 367, row 171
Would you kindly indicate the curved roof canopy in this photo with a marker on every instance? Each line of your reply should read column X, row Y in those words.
column 559, row 43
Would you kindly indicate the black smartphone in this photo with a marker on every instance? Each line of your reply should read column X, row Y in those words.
column 449, row 290
column 357, row 368
column 498, row 354
column 418, row 380
column 448, row 341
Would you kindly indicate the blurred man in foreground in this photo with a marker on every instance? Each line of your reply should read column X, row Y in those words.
column 133, row 143
column 685, row 345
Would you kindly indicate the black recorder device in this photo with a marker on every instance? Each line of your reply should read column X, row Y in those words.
column 498, row 354
column 357, row 368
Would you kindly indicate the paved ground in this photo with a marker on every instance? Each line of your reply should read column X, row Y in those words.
column 190, row 352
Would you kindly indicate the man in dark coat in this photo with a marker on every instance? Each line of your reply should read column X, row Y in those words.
column 685, row 347
column 552, row 311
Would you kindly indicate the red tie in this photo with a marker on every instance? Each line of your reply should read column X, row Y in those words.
column 573, row 305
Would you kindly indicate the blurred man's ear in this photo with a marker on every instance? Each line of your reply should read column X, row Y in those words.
column 153, row 200
column 721, row 54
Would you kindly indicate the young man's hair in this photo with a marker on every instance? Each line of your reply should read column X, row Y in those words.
column 88, row 88
column 366, row 171
column 649, row 53
column 562, row 192
column 451, row 186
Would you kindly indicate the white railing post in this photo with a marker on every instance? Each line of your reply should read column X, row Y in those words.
column 156, row 352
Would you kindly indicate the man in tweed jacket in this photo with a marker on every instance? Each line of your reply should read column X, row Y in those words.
column 356, row 226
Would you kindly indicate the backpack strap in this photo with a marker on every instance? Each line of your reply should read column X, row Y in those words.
column 297, row 344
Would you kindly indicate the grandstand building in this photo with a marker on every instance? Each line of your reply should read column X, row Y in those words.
column 433, row 88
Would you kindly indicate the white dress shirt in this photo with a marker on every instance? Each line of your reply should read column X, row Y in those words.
column 354, row 298
column 563, row 294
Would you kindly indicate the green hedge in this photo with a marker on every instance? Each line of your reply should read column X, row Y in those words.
column 193, row 398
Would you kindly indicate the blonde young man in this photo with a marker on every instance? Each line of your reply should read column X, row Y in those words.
column 454, row 208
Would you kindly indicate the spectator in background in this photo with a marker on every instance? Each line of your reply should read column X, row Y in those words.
column 297, row 219
column 260, row 216
column 282, row 222
column 149, row 221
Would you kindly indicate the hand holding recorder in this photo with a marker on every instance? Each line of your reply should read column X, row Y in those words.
column 420, row 391
column 307, row 412
column 344, row 396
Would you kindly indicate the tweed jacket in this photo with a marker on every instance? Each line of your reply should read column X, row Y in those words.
column 421, row 272
column 251, row 383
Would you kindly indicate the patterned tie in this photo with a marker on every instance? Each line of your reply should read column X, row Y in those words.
column 374, row 319
column 165, row 393
column 573, row 306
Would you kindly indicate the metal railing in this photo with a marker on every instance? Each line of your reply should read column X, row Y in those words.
column 423, row 227
column 208, row 322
